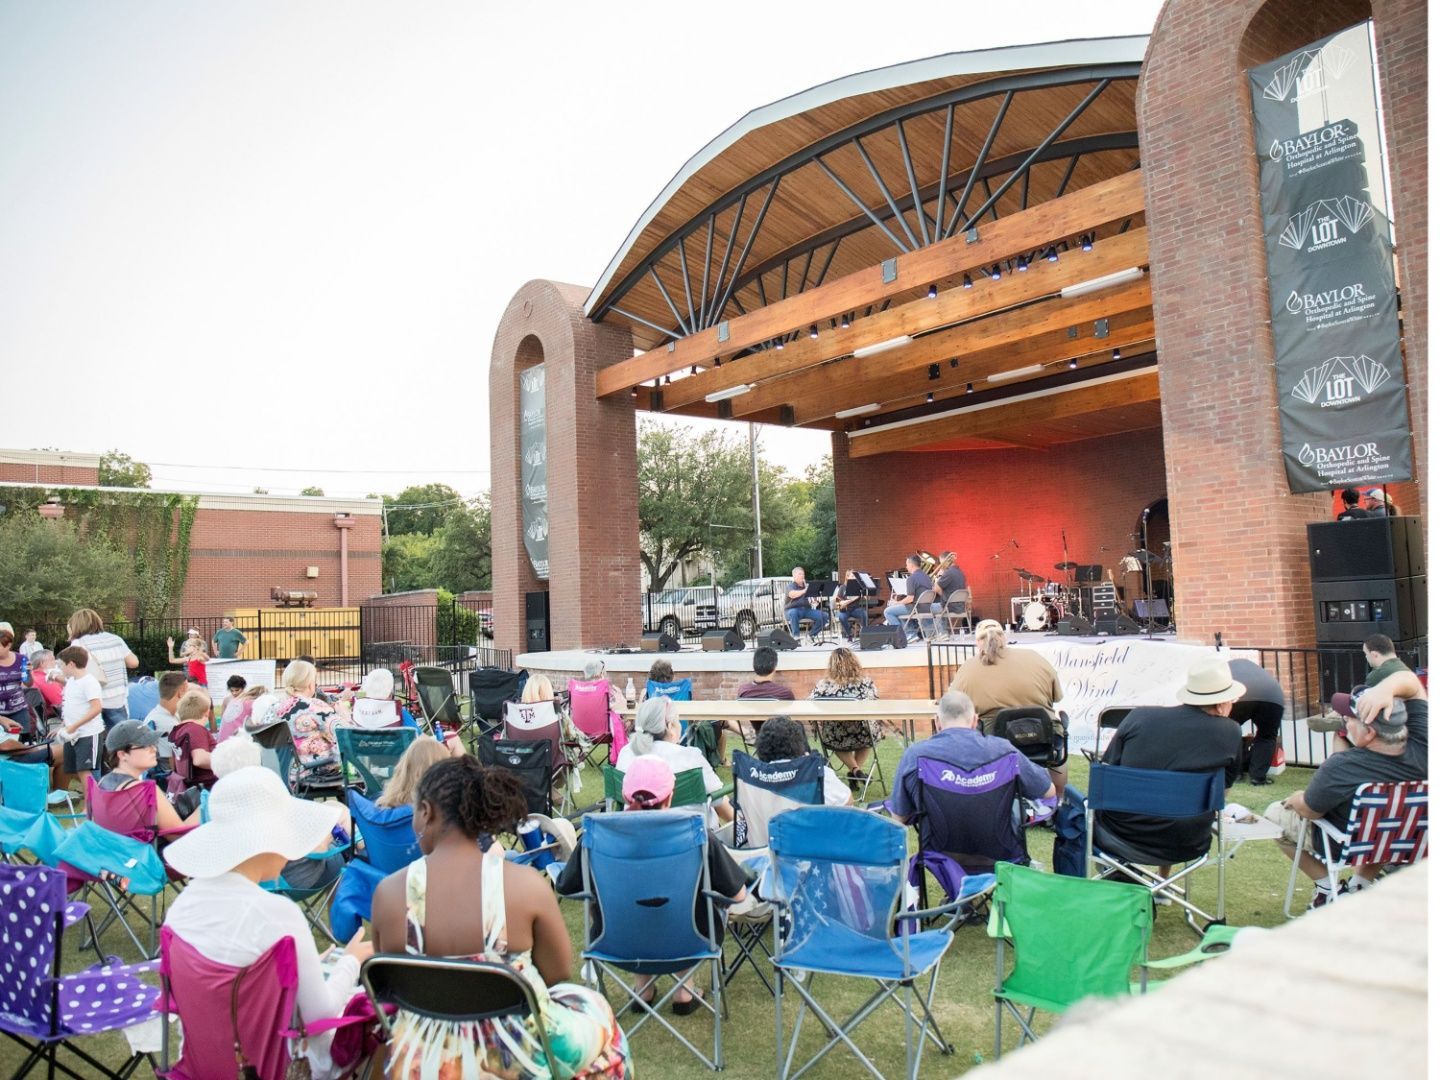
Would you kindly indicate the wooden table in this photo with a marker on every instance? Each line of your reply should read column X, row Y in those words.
column 904, row 711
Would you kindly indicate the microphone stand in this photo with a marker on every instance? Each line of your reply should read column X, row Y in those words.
column 1149, row 590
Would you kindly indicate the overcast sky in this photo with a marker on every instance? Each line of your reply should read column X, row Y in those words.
column 258, row 235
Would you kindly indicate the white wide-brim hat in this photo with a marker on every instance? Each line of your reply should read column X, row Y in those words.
column 1210, row 683
column 251, row 814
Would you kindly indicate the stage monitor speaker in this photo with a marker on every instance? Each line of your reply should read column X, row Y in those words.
column 880, row 636
column 1152, row 609
column 1116, row 625
column 537, row 621
column 1350, row 611
column 779, row 639
column 1075, row 624
column 1388, row 547
column 722, row 641
column 658, row 641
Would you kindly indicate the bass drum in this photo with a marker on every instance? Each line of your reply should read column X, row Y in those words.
column 1036, row 615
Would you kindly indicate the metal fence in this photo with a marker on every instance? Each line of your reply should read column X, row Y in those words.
column 942, row 658
column 344, row 644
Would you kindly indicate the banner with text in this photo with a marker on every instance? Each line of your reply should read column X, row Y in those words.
column 1344, row 417
column 534, row 496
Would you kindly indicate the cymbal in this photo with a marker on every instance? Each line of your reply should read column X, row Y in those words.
column 1066, row 565
column 1026, row 575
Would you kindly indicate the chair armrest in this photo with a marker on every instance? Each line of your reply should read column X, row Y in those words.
column 718, row 898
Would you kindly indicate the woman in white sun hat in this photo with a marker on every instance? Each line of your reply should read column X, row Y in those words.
column 255, row 828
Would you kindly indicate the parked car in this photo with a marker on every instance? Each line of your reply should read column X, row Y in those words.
column 746, row 607
column 674, row 611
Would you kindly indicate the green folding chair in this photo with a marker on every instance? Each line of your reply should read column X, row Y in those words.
column 689, row 788
column 1072, row 938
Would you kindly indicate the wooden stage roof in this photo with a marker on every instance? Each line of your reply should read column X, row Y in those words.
column 979, row 214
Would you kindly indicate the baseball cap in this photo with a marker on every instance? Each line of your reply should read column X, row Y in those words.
column 1394, row 724
column 648, row 780
column 130, row 734
column 1374, row 493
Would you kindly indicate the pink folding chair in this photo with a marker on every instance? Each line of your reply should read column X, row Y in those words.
column 199, row 990
column 591, row 715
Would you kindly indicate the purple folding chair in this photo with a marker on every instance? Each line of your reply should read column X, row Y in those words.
column 201, row 991
column 43, row 1010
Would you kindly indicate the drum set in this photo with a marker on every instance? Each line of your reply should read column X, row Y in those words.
column 1044, row 602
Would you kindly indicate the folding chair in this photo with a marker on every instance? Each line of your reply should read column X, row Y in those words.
column 874, row 771
column 966, row 821
column 540, row 722
column 1388, row 826
column 529, row 760
column 921, row 613
column 26, row 823
column 384, row 842
column 1033, row 731
column 689, row 789
column 590, row 714
column 471, row 991
column 1109, row 720
column 679, row 689
column 1157, row 794
column 45, row 1010
column 490, row 688
column 439, row 704
column 313, row 900
column 957, row 611
column 763, row 790
column 369, row 757
column 1072, row 938
column 319, row 778
column 642, row 872
column 119, row 870
column 839, row 873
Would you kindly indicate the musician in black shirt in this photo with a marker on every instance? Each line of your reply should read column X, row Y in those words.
column 850, row 608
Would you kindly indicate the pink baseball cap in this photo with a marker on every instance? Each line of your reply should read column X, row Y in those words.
column 649, row 780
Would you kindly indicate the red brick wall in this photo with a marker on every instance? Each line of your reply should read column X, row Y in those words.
column 975, row 503
column 593, row 497
column 16, row 472
column 236, row 556
column 1241, row 564
column 403, row 616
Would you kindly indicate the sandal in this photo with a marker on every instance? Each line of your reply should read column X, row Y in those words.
column 685, row 1008
column 635, row 1006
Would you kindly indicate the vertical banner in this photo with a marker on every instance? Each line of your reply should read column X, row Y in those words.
column 534, row 498
column 1344, row 417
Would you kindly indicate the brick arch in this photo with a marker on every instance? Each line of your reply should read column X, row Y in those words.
column 1239, row 538
column 591, row 474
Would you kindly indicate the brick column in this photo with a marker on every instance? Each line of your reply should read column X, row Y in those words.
column 594, row 581
column 1239, row 536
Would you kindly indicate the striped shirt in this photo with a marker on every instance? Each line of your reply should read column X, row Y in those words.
column 107, row 652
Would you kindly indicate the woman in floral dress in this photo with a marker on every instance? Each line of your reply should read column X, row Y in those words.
column 850, row 740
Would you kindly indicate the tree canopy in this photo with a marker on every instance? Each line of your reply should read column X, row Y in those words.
column 420, row 508
column 48, row 569
column 455, row 555
column 121, row 470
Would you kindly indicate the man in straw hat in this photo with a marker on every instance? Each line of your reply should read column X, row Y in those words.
column 255, row 828
column 1195, row 736
column 1389, row 742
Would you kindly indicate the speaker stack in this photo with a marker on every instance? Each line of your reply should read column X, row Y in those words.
column 779, row 639
column 537, row 621
column 722, row 641
column 1368, row 577
column 880, row 636
column 658, row 641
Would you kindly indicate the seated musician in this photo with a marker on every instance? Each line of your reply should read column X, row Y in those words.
column 850, row 607
column 916, row 582
column 797, row 605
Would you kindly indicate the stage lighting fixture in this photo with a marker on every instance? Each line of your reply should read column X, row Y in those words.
column 967, row 283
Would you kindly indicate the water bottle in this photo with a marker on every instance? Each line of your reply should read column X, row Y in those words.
column 630, row 693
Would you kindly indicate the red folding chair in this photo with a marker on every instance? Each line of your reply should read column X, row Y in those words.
column 1388, row 826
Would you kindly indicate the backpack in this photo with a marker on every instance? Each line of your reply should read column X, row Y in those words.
column 1069, row 857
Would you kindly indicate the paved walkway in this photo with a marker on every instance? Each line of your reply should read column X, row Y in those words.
column 1340, row 992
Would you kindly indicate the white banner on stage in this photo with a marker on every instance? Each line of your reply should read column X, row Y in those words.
column 1097, row 675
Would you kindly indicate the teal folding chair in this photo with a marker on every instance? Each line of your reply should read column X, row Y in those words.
column 368, row 757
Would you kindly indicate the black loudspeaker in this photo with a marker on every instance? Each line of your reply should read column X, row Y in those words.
column 1350, row 611
column 1116, row 625
column 1075, row 624
column 779, row 640
column 880, row 636
column 722, row 641
column 1388, row 547
column 657, row 641
column 1152, row 609
column 537, row 621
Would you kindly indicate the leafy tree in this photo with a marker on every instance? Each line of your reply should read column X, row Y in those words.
column 260, row 491
column 405, row 562
column 121, row 470
column 688, row 480
column 460, row 558
column 313, row 491
column 48, row 569
column 420, row 508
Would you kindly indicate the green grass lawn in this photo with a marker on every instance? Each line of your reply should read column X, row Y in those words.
column 1255, row 885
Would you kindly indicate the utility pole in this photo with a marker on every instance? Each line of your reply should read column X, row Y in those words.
column 755, row 501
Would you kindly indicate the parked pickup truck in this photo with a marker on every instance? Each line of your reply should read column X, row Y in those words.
column 747, row 606
column 674, row 611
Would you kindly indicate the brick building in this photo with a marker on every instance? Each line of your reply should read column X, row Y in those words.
column 242, row 546
column 1025, row 289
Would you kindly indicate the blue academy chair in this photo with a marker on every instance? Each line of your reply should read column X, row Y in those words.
column 967, row 821
column 763, row 790
column 387, row 837
column 1157, row 794
column 678, row 689
column 840, row 874
column 370, row 757
column 642, row 872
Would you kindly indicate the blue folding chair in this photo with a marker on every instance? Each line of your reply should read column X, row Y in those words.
column 119, row 869
column 386, row 843
column 642, row 872
column 679, row 689
column 26, row 823
column 369, row 757
column 840, row 874
column 1157, row 794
